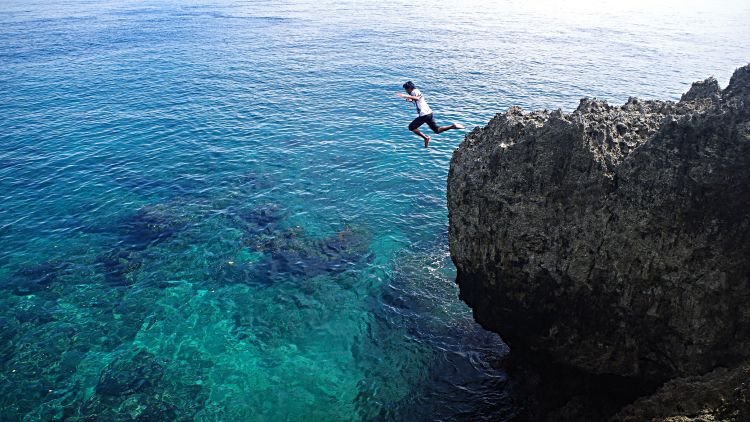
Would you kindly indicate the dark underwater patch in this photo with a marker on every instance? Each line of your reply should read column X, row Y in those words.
column 149, row 225
column 293, row 253
column 463, row 376
column 134, row 387
column 152, row 224
column 132, row 408
column 119, row 266
column 37, row 314
column 31, row 365
column 254, row 220
column 253, row 181
column 9, row 331
column 130, row 374
column 36, row 278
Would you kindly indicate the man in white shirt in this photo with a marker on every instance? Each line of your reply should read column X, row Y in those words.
column 425, row 114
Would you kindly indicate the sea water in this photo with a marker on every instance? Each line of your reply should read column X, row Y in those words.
column 214, row 210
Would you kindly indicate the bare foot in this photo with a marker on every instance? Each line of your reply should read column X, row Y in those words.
column 426, row 141
column 458, row 126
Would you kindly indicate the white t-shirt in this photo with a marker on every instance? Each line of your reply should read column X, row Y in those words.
column 422, row 108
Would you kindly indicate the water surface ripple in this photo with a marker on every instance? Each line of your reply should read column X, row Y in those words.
column 214, row 211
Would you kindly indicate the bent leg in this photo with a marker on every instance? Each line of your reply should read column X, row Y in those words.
column 414, row 127
column 419, row 133
column 423, row 136
column 416, row 123
column 431, row 123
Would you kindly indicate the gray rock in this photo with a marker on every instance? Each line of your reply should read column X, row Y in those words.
column 721, row 395
column 708, row 89
column 611, row 240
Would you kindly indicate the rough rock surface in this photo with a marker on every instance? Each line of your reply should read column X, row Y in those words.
column 614, row 241
column 721, row 395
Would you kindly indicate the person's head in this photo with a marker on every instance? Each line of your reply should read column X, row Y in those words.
column 409, row 86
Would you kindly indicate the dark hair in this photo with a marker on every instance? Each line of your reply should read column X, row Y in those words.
column 409, row 85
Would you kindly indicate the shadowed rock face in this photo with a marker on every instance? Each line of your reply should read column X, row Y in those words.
column 721, row 395
column 612, row 240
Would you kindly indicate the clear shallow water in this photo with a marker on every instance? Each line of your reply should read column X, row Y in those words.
column 214, row 211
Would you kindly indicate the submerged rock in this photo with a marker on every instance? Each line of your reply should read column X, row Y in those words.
column 255, row 220
column 35, row 278
column 612, row 241
column 299, row 255
column 138, row 385
column 293, row 253
column 152, row 224
column 119, row 266
column 136, row 407
column 130, row 374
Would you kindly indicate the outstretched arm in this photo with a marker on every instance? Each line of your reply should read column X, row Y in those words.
column 407, row 97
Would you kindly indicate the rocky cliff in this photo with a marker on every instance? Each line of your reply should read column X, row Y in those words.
column 612, row 243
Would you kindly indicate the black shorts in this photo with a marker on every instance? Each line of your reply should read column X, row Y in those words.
column 419, row 121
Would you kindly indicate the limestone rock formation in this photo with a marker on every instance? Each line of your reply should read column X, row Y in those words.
column 613, row 241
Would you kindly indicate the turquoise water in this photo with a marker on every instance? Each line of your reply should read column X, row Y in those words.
column 214, row 211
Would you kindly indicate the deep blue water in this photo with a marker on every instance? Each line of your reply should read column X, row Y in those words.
column 214, row 211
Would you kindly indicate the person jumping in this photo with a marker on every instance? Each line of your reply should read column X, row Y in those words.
column 425, row 114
